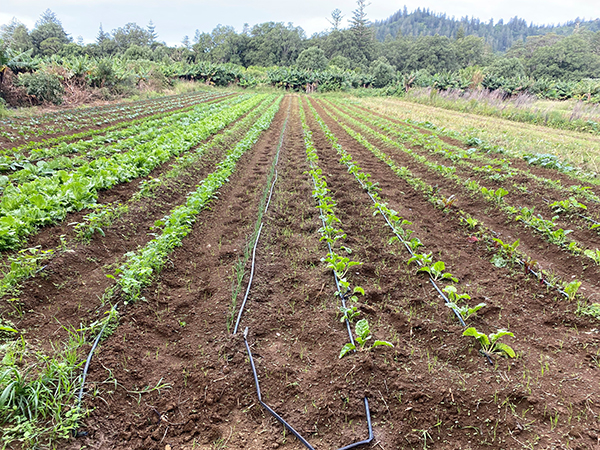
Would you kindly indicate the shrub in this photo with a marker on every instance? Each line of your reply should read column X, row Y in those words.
column 43, row 86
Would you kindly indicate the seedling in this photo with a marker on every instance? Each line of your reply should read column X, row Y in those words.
column 363, row 334
column 349, row 314
column 436, row 271
column 465, row 311
column 572, row 288
column 569, row 206
column 508, row 249
column 494, row 195
column 445, row 203
column 471, row 223
column 490, row 343
column 593, row 254
column 422, row 259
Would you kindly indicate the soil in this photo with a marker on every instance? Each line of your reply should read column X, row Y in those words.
column 172, row 375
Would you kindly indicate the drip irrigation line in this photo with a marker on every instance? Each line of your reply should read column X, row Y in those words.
column 237, row 322
column 432, row 281
column 287, row 425
column 87, row 366
column 251, row 278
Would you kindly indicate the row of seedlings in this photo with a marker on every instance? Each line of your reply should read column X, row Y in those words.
column 61, row 407
column 504, row 252
column 547, row 228
column 436, row 271
column 48, row 200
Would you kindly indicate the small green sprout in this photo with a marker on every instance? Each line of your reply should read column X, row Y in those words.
column 423, row 258
column 569, row 206
column 490, row 344
column 363, row 334
column 465, row 311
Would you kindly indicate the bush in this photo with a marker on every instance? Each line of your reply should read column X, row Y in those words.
column 43, row 86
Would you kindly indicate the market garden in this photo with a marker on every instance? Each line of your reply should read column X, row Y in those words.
column 389, row 282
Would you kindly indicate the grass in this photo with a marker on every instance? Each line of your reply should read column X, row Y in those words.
column 580, row 149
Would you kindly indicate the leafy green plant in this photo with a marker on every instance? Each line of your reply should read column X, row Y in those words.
column 349, row 314
column 572, row 288
column 490, row 343
column 592, row 310
column 363, row 334
column 445, row 203
column 465, row 310
column 569, row 206
column 593, row 254
column 422, row 258
column 494, row 195
column 508, row 249
column 436, row 271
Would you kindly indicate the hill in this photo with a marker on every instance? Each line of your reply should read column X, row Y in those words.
column 499, row 35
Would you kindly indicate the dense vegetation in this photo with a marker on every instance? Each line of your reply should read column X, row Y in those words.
column 418, row 49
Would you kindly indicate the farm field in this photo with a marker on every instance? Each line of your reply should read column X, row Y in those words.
column 363, row 243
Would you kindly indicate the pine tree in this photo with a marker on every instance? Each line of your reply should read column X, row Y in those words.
column 336, row 19
column 152, row 32
column 102, row 35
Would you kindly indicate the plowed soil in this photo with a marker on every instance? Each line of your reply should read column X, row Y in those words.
column 172, row 375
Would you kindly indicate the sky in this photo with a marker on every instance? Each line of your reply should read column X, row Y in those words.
column 175, row 19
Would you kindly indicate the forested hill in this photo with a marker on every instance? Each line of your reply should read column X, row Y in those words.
column 500, row 36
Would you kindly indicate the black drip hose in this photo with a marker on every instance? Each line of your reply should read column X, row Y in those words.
column 287, row 425
column 434, row 284
column 239, row 317
column 87, row 366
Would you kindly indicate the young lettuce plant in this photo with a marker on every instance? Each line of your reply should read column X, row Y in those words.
column 490, row 343
column 465, row 311
column 363, row 334
column 349, row 314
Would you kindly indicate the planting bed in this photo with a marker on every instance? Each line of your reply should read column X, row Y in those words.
column 178, row 248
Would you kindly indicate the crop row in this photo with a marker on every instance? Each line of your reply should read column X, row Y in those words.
column 140, row 266
column 118, row 142
column 435, row 270
column 547, row 228
column 27, row 262
column 61, row 122
column 48, row 200
column 506, row 253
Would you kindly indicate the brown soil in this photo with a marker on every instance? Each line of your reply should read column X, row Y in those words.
column 432, row 390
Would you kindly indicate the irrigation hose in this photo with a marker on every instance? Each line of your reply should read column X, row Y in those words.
column 287, row 425
column 87, row 366
column 251, row 278
column 239, row 317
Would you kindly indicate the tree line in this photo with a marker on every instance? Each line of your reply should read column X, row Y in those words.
column 337, row 58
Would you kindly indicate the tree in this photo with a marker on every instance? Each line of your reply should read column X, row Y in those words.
column 274, row 43
column 152, row 35
column 131, row 34
column 507, row 68
column 48, row 27
column 363, row 48
column 470, row 51
column 15, row 36
column 313, row 58
column 336, row 19
column 383, row 72
column 433, row 53
column 102, row 36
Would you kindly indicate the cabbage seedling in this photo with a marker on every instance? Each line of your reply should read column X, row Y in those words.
column 349, row 314
column 490, row 344
column 363, row 334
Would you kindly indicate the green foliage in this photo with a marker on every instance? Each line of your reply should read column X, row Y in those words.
column 572, row 288
column 436, row 271
column 363, row 334
column 45, row 87
column 312, row 59
column 490, row 343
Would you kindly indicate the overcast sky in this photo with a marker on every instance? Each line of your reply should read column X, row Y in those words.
column 176, row 18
